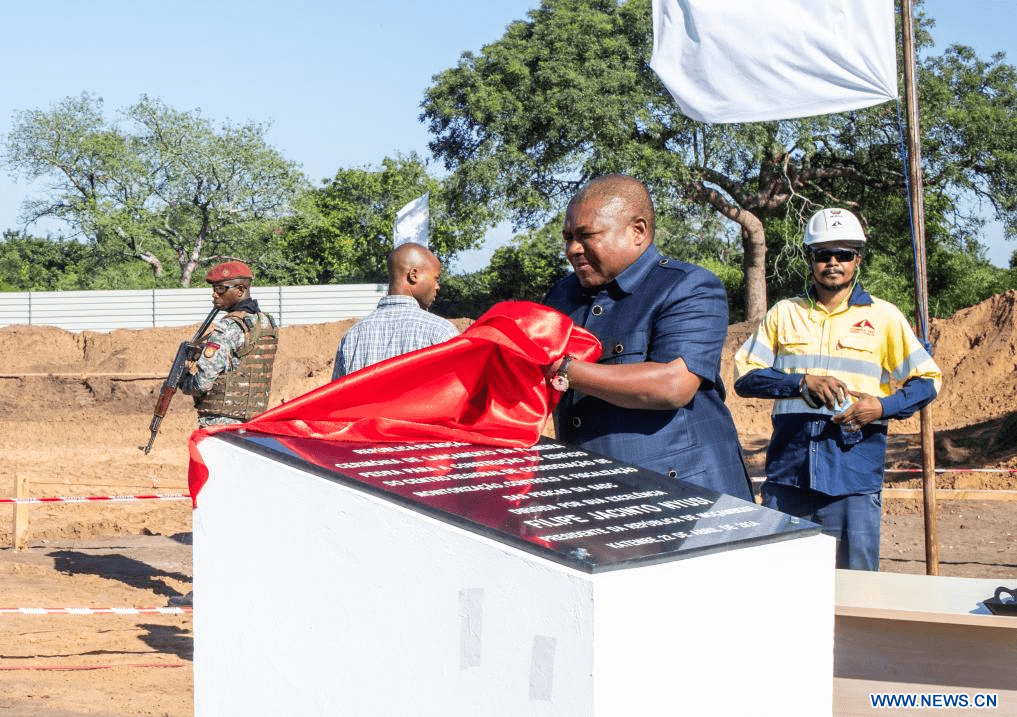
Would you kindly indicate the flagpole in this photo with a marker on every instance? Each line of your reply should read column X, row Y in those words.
column 916, row 191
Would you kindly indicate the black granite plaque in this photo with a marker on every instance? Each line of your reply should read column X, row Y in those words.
column 564, row 503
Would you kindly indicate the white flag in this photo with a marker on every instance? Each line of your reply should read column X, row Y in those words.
column 413, row 222
column 760, row 60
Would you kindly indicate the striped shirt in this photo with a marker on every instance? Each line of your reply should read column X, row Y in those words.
column 396, row 327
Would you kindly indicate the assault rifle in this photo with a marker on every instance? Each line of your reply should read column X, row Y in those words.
column 187, row 351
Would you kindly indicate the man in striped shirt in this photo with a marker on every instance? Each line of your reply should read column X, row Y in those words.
column 401, row 323
column 839, row 364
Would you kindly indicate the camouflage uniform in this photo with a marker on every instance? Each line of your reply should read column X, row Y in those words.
column 222, row 354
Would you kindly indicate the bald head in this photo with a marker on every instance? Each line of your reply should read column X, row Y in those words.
column 608, row 225
column 626, row 193
column 413, row 271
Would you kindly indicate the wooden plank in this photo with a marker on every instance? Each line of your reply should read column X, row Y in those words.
column 947, row 494
column 950, row 656
column 113, row 376
column 911, row 634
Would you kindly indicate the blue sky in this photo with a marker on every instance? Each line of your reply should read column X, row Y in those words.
column 340, row 80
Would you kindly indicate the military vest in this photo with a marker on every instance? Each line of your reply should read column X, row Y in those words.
column 243, row 392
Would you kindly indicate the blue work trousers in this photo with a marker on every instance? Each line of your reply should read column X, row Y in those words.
column 852, row 519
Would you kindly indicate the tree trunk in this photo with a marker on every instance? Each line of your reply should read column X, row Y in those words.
column 186, row 271
column 153, row 261
column 754, row 263
column 753, row 246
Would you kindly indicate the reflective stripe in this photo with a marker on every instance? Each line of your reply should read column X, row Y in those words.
column 873, row 343
column 807, row 363
column 784, row 406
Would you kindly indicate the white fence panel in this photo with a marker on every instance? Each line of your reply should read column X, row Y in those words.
column 137, row 309
column 92, row 310
column 15, row 307
column 318, row 304
column 180, row 307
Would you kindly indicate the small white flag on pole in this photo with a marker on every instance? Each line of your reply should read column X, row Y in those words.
column 413, row 222
column 762, row 60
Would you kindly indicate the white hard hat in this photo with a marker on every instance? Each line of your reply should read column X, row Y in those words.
column 834, row 226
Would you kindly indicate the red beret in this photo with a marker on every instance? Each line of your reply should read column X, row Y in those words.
column 228, row 270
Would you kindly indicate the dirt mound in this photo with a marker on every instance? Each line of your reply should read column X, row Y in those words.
column 977, row 350
column 75, row 407
column 49, row 369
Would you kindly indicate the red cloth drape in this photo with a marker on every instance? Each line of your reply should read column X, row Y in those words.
column 486, row 386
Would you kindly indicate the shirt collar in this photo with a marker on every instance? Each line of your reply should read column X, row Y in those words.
column 859, row 296
column 248, row 305
column 631, row 277
column 398, row 300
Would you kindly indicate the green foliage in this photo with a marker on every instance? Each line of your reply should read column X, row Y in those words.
column 959, row 278
column 527, row 268
column 30, row 263
column 524, row 270
column 535, row 114
column 464, row 295
column 161, row 185
column 33, row 264
column 344, row 230
column 568, row 94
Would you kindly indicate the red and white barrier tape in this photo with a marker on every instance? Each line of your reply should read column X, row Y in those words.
column 954, row 470
column 187, row 496
column 60, row 668
column 760, row 479
column 97, row 498
column 95, row 610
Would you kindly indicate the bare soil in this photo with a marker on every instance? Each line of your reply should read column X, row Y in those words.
column 74, row 415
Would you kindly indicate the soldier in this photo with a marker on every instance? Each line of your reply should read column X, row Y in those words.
column 230, row 381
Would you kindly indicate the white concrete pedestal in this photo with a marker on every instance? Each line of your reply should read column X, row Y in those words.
column 315, row 598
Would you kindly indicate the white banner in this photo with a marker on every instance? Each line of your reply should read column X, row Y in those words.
column 761, row 60
column 413, row 222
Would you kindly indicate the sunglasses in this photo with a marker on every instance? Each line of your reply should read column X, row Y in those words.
column 221, row 289
column 843, row 256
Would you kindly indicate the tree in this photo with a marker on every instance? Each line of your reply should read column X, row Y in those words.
column 346, row 231
column 30, row 263
column 569, row 94
column 162, row 184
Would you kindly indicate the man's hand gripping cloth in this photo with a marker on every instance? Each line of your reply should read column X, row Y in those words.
column 486, row 386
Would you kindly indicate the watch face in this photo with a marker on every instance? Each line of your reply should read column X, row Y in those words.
column 560, row 383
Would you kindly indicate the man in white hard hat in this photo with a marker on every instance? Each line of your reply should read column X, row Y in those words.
column 839, row 364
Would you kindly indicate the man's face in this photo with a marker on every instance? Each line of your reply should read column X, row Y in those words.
column 427, row 284
column 834, row 268
column 602, row 239
column 226, row 295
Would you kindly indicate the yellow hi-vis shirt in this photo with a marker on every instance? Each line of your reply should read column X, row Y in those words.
column 869, row 346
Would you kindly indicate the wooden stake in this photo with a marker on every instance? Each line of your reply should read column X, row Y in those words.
column 20, row 532
column 915, row 197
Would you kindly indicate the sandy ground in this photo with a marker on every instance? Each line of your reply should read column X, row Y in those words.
column 74, row 414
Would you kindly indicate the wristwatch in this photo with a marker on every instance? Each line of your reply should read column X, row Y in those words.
column 560, row 379
column 806, row 394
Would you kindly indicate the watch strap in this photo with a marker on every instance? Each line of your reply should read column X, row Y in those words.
column 560, row 379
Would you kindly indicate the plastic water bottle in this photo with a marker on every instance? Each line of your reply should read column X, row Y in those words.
column 848, row 436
